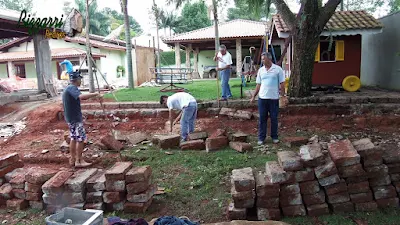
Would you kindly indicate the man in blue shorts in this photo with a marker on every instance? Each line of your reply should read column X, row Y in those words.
column 71, row 98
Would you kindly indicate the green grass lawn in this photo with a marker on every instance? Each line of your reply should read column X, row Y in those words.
column 201, row 90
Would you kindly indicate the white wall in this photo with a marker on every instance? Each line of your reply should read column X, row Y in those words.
column 3, row 71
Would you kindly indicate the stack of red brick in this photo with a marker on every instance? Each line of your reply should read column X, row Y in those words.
column 9, row 163
column 351, row 177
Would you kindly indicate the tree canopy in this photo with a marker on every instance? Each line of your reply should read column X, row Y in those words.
column 193, row 16
column 17, row 5
column 242, row 10
column 99, row 22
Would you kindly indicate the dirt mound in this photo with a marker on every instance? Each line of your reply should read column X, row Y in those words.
column 38, row 118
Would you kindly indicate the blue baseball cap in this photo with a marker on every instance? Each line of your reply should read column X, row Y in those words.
column 75, row 76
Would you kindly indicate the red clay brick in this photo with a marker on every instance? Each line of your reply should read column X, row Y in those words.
column 309, row 187
column 383, row 192
column 98, row 206
column 394, row 168
column 115, row 185
column 55, row 184
column 19, row 193
column 366, row 206
column 397, row 186
column 243, row 179
column 213, row 144
column 113, row 197
column 395, row 177
column 267, row 202
column 236, row 213
column 138, row 187
column 290, row 189
column 8, row 159
column 130, row 207
column 218, row 133
column 325, row 170
column 94, row 197
column 30, row 196
column 53, row 199
column 275, row 172
column 198, row 136
column 311, row 155
column 10, row 168
column 361, row 187
column 244, row 199
column 365, row 147
column 288, row 200
column 242, row 114
column 268, row 214
column 9, row 176
column 318, row 210
column 77, row 182
column 118, row 171
column 295, row 141
column 144, row 196
column 241, row 146
column 73, row 197
column 264, row 187
column 39, row 175
column 391, row 154
column 193, row 145
column 376, row 171
column 97, row 182
column 138, row 174
column 380, row 181
column 336, row 188
column 355, row 170
column 290, row 178
column 168, row 141
column 238, row 137
column 388, row 203
column 350, row 180
column 343, row 153
column 295, row 210
column 305, row 175
column 362, row 197
column 17, row 204
column 338, row 198
column 326, row 181
column 137, row 138
column 289, row 161
column 314, row 199
column 373, row 159
column 111, row 143
column 6, row 191
column 344, row 207
column 18, row 182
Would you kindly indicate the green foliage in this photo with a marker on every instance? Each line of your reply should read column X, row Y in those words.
column 193, row 16
column 99, row 22
column 168, row 58
column 117, row 19
column 394, row 6
column 17, row 5
column 242, row 10
column 370, row 6
column 168, row 20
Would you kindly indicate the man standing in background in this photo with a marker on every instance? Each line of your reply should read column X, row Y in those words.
column 224, row 59
column 270, row 85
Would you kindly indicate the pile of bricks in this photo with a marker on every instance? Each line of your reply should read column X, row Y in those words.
column 115, row 194
column 9, row 163
column 53, row 191
column 348, row 177
column 140, row 189
column 95, row 187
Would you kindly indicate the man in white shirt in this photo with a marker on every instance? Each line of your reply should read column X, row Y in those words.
column 224, row 59
column 187, row 103
column 270, row 84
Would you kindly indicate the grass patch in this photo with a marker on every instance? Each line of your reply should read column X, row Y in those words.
column 201, row 90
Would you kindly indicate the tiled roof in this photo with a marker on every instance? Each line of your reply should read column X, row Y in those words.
column 55, row 54
column 13, row 43
column 340, row 20
column 232, row 29
column 95, row 43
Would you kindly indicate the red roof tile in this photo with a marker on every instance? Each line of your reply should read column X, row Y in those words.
column 96, row 43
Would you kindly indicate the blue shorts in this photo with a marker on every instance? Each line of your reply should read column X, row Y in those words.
column 77, row 132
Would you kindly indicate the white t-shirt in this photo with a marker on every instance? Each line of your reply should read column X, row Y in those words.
column 270, row 81
column 224, row 59
column 180, row 100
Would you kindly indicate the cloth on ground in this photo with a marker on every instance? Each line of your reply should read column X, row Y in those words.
column 117, row 221
column 172, row 220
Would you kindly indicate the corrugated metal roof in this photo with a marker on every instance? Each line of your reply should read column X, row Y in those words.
column 55, row 54
column 232, row 29
column 340, row 21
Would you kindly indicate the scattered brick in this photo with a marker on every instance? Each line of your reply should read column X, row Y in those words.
column 119, row 206
column 10, row 168
column 290, row 189
column 391, row 154
column 287, row 200
column 268, row 214
column 274, row 171
column 144, row 196
column 97, row 182
column 243, row 179
column 343, row 153
column 267, row 202
column 138, row 187
column 218, row 133
column 264, row 187
column 365, row 147
column 376, row 171
column 98, row 206
column 18, row 182
column 336, row 188
column 318, row 210
column 118, row 171
column 38, row 205
column 134, row 207
column 289, row 161
column 373, row 159
column 73, row 197
column 39, row 175
column 19, row 193
column 339, row 198
column 235, row 213
column 138, row 174
column 30, row 196
column 380, row 181
column 8, row 159
column 6, row 191
column 113, row 197
column 198, row 136
column 111, row 143
column 10, row 175
column 295, row 210
column 314, row 199
column 326, row 170
column 362, row 197
column 290, row 178
column 394, row 168
column 304, row 175
column 355, row 170
column 77, row 182
column 17, row 204
column 55, row 185
column 383, row 192
column 137, row 138
column 395, row 177
column 227, row 111
column 361, row 187
column 94, row 197
column 344, row 207
column 309, row 187
column 193, row 145
column 366, row 206
column 388, row 203
column 350, row 180
column 216, row 143
column 244, row 199
column 241, row 146
column 32, row 187
column 115, row 185
column 238, row 137
column 242, row 114
column 295, row 141
column 334, row 179
column 312, row 155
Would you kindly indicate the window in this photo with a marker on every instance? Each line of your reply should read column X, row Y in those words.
column 333, row 53
column 20, row 70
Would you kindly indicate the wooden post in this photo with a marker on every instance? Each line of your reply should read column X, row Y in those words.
column 216, row 41
column 88, row 51
column 238, row 57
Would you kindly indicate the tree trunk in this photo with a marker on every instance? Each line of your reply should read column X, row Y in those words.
column 128, row 44
column 88, row 50
column 215, row 8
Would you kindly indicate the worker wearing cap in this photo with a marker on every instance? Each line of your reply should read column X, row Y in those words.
column 224, row 59
column 270, row 85
column 187, row 103
column 71, row 98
